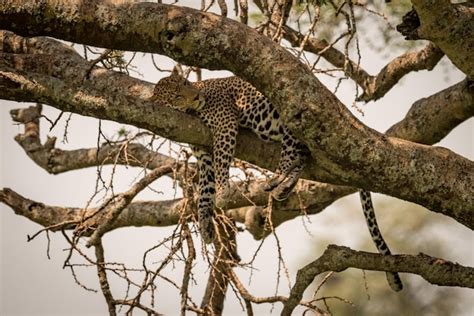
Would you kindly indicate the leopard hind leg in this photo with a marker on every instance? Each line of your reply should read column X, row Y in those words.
column 392, row 277
column 290, row 168
column 283, row 190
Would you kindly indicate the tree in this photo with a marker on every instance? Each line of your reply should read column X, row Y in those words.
column 278, row 56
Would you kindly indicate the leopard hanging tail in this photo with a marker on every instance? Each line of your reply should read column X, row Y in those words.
column 393, row 278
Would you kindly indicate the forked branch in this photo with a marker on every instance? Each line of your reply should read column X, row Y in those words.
column 374, row 86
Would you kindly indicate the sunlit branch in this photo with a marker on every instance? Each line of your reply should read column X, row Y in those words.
column 133, row 104
column 352, row 156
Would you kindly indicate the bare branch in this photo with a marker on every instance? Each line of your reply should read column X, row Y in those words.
column 55, row 160
column 161, row 213
column 308, row 196
column 104, row 283
column 424, row 59
column 225, row 256
column 375, row 87
column 114, row 207
column 338, row 258
column 187, row 269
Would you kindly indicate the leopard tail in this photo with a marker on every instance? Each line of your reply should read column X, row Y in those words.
column 393, row 278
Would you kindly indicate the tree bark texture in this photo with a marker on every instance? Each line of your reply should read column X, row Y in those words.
column 344, row 150
column 451, row 27
column 339, row 258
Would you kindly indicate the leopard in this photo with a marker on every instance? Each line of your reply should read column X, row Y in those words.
column 224, row 105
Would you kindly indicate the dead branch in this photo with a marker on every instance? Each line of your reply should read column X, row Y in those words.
column 104, row 283
column 310, row 197
column 339, row 258
column 54, row 218
column 114, row 207
column 224, row 259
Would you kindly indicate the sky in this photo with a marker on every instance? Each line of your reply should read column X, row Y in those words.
column 32, row 284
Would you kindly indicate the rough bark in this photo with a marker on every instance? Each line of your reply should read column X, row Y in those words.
column 433, row 177
column 438, row 114
column 246, row 206
column 127, row 101
column 344, row 151
column 338, row 258
column 451, row 28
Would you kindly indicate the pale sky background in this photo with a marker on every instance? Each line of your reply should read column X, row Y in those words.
column 33, row 285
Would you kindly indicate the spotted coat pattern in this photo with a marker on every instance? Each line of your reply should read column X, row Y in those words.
column 225, row 104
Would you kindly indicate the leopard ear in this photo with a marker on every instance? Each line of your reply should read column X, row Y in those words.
column 176, row 71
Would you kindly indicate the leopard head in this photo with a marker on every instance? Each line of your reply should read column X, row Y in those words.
column 177, row 92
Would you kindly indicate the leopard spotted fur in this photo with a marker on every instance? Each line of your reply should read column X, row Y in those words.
column 225, row 104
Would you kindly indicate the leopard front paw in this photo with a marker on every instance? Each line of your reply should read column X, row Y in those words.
column 206, row 225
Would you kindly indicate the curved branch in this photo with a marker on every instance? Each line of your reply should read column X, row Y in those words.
column 424, row 59
column 375, row 87
column 438, row 114
column 55, row 160
column 338, row 258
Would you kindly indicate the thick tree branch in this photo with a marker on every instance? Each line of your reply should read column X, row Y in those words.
column 438, row 114
column 309, row 197
column 434, row 177
column 55, row 160
column 451, row 28
column 127, row 96
column 375, row 87
column 435, row 113
column 161, row 213
column 338, row 258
